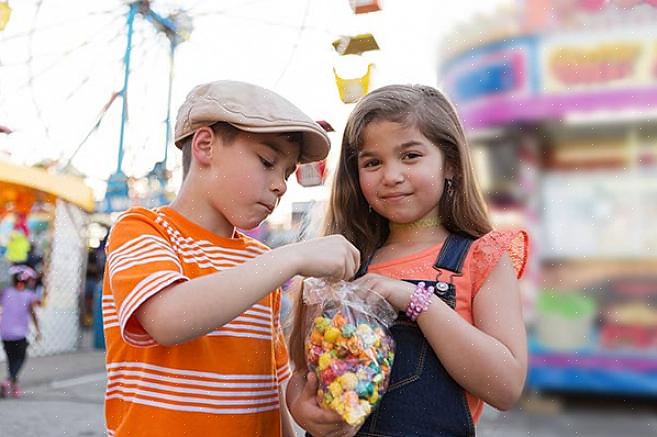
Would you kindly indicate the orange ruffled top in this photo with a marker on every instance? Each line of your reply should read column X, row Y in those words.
column 482, row 257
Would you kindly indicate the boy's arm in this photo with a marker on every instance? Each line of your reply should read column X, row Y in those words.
column 186, row 310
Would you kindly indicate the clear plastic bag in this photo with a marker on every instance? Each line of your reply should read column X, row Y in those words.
column 348, row 346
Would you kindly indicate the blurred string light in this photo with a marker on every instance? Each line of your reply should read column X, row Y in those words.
column 5, row 13
column 352, row 71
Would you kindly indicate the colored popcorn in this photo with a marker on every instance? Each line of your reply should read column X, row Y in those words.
column 352, row 360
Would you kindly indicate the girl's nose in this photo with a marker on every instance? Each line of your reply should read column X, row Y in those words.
column 393, row 175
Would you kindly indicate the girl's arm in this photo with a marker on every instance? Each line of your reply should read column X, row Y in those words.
column 489, row 359
column 286, row 420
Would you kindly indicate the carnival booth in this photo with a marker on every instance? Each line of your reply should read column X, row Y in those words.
column 43, row 221
column 559, row 109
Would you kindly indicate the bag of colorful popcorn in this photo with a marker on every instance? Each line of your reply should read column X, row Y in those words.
column 348, row 346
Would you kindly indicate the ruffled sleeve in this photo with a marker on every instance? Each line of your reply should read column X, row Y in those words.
column 487, row 251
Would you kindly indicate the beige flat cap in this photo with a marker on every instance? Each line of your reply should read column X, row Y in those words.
column 250, row 108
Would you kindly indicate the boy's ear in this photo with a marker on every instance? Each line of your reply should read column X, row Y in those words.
column 202, row 145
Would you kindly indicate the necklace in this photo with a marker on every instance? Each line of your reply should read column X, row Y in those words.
column 429, row 222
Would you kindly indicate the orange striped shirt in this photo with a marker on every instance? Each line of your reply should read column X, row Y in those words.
column 223, row 383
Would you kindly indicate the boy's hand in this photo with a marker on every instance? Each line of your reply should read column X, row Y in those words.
column 314, row 419
column 397, row 293
column 331, row 256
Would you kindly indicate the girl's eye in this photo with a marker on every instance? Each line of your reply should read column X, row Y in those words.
column 266, row 163
column 371, row 163
column 411, row 155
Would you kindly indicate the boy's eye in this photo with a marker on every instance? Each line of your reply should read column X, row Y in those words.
column 266, row 163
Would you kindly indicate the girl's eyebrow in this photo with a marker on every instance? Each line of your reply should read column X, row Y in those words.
column 402, row 146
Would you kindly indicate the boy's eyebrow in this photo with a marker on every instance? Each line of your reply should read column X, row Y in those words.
column 402, row 146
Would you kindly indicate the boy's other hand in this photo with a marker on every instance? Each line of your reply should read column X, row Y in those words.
column 314, row 419
column 331, row 256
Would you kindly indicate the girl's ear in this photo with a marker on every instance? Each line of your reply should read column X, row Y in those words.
column 202, row 143
column 449, row 171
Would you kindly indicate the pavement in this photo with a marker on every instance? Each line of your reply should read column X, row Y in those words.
column 64, row 397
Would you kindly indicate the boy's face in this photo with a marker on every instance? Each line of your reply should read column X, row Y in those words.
column 249, row 176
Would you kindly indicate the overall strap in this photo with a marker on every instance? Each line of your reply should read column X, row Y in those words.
column 453, row 253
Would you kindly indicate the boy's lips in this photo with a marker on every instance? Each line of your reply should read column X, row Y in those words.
column 269, row 208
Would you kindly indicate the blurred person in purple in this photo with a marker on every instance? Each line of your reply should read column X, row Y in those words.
column 17, row 304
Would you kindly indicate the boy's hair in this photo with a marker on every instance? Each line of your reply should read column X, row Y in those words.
column 428, row 110
column 225, row 131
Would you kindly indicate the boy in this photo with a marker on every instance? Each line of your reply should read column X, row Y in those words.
column 194, row 343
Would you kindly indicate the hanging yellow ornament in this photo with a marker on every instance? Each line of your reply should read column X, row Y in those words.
column 353, row 89
column 5, row 13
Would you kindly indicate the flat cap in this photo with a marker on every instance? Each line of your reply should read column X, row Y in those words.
column 250, row 108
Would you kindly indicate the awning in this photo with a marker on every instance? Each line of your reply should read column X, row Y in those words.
column 15, row 178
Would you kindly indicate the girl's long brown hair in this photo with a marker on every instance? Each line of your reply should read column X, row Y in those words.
column 349, row 214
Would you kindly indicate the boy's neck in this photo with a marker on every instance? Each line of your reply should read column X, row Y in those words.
column 196, row 208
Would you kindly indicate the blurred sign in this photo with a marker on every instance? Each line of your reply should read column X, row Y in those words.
column 501, row 70
column 592, row 63
column 311, row 174
column 599, row 215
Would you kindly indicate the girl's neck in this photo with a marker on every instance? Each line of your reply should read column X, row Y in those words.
column 421, row 232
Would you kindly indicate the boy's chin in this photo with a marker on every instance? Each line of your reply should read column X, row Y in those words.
column 251, row 224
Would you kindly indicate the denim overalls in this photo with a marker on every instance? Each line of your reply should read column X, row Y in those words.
column 422, row 399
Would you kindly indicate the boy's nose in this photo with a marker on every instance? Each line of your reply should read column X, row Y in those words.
column 279, row 185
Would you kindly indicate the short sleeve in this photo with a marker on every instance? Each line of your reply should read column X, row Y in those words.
column 140, row 263
column 281, row 357
column 487, row 251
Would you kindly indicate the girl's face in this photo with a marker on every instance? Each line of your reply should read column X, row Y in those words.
column 402, row 174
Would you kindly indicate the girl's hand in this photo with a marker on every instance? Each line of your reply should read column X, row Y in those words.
column 397, row 293
column 315, row 419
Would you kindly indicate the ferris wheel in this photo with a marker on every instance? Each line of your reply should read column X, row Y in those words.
column 93, row 82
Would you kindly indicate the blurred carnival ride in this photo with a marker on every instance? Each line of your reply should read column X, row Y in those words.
column 43, row 222
column 558, row 99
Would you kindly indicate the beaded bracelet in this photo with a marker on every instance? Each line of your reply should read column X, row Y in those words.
column 420, row 301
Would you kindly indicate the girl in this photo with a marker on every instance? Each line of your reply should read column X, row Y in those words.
column 405, row 195
column 17, row 304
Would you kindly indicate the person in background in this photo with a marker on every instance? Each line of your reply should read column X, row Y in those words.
column 18, row 305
